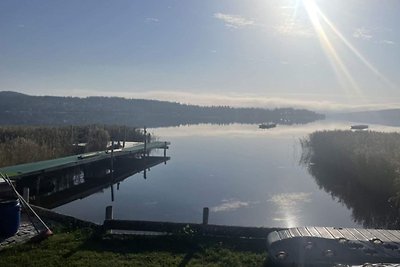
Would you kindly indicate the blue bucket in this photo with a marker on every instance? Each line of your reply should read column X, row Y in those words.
column 10, row 217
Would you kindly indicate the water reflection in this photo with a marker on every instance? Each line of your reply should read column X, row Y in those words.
column 289, row 207
column 370, row 209
column 54, row 189
column 245, row 175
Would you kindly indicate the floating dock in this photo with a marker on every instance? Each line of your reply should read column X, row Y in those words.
column 17, row 172
column 329, row 246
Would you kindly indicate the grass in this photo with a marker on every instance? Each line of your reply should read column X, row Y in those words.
column 82, row 247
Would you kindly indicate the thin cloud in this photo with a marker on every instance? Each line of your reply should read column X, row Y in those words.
column 376, row 35
column 234, row 21
column 362, row 33
column 388, row 42
column 152, row 20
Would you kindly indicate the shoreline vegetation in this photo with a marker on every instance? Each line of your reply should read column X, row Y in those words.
column 359, row 168
column 73, row 246
column 24, row 144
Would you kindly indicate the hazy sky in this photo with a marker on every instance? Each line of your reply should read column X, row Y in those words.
column 320, row 53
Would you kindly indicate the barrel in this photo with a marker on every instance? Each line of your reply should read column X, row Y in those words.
column 10, row 216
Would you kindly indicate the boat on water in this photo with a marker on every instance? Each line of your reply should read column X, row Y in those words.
column 267, row 125
column 359, row 127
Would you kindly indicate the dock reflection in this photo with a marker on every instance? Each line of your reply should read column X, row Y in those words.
column 51, row 190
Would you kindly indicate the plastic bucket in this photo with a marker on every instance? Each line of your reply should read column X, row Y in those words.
column 10, row 216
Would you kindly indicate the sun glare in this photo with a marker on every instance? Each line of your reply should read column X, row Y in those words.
column 317, row 17
column 342, row 72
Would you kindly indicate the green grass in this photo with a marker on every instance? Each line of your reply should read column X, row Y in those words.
column 83, row 248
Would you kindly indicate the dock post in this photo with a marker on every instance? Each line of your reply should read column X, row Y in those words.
column 112, row 159
column 123, row 144
column 205, row 215
column 145, row 141
column 26, row 194
column 109, row 213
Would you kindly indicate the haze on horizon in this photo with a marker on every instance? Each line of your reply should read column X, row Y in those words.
column 318, row 54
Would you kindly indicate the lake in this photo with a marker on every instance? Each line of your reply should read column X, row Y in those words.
column 247, row 176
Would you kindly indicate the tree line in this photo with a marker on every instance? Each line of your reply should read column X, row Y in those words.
column 16, row 108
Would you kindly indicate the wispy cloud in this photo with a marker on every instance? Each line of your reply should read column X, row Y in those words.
column 362, row 33
column 388, row 42
column 229, row 205
column 152, row 20
column 234, row 21
column 376, row 35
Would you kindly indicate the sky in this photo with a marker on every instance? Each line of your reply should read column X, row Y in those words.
column 318, row 54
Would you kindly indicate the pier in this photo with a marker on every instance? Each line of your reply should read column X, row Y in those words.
column 17, row 172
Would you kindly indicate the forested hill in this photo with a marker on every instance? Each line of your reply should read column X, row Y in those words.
column 17, row 108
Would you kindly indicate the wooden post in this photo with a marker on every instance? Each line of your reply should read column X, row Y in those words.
column 112, row 193
column 205, row 215
column 145, row 141
column 165, row 149
column 109, row 213
column 123, row 144
column 112, row 159
column 26, row 194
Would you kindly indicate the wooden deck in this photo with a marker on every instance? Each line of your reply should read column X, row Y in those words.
column 18, row 171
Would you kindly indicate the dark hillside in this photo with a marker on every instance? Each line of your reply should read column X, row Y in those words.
column 21, row 109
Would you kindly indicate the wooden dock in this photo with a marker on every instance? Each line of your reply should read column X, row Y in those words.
column 17, row 172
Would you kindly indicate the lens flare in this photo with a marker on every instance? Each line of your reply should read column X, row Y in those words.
column 342, row 72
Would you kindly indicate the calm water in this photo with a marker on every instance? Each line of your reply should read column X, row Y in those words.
column 245, row 175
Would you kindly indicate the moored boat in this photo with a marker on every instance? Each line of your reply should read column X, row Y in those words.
column 359, row 127
column 267, row 125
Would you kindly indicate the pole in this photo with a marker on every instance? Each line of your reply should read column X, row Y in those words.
column 205, row 215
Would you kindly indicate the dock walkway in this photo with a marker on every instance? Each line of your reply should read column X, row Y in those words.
column 18, row 171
